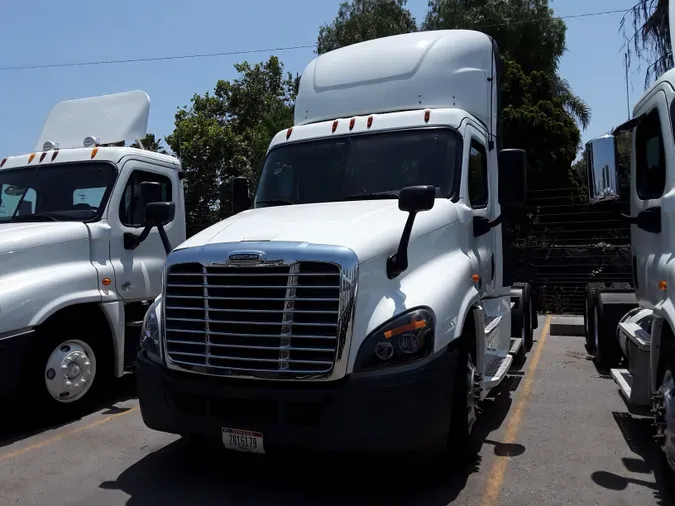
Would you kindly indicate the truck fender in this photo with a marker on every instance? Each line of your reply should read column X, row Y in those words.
column 114, row 314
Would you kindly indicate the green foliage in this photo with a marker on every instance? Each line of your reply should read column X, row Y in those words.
column 225, row 134
column 535, row 120
column 361, row 20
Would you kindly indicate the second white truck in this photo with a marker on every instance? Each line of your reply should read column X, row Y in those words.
column 362, row 303
column 633, row 332
column 79, row 260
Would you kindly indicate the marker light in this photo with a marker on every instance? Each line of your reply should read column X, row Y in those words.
column 3, row 162
column 352, row 122
column 335, row 124
column 93, row 153
column 289, row 132
column 49, row 145
column 427, row 115
column 42, row 156
column 30, row 158
column 663, row 285
column 369, row 123
column 56, row 152
column 90, row 141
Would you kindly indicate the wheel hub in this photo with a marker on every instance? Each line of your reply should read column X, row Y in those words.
column 663, row 407
column 70, row 371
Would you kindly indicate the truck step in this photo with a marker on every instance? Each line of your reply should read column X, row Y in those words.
column 637, row 334
column 516, row 344
column 495, row 371
column 624, row 380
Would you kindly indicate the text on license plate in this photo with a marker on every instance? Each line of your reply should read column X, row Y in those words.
column 243, row 440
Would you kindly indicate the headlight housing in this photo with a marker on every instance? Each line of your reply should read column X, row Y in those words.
column 404, row 339
column 150, row 335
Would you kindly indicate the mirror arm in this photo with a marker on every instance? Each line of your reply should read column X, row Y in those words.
column 482, row 226
column 398, row 262
column 165, row 238
column 132, row 241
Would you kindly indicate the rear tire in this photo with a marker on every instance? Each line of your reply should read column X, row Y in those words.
column 521, row 317
column 607, row 351
column 592, row 290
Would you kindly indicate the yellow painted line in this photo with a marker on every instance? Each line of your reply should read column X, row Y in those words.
column 61, row 435
column 496, row 475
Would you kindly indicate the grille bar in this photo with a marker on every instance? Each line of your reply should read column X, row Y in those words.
column 256, row 320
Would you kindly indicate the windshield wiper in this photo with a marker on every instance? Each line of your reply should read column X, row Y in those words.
column 373, row 196
column 275, row 202
column 32, row 217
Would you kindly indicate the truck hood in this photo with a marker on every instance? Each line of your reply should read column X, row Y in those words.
column 15, row 237
column 370, row 228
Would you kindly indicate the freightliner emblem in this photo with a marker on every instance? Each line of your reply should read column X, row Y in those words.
column 245, row 257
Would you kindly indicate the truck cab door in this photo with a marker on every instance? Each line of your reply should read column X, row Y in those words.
column 652, row 155
column 482, row 202
column 138, row 271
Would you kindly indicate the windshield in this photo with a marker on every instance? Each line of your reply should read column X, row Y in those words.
column 360, row 167
column 66, row 192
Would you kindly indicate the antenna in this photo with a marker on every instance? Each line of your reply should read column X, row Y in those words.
column 625, row 58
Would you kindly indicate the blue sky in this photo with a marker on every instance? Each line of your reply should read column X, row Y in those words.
column 42, row 32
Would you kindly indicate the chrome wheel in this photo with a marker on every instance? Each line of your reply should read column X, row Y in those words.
column 70, row 371
column 473, row 392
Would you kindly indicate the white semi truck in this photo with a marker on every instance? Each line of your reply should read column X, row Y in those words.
column 362, row 303
column 79, row 262
column 632, row 332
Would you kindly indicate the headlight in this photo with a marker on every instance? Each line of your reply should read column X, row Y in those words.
column 150, row 331
column 404, row 339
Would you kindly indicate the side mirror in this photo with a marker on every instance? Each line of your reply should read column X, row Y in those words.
column 512, row 178
column 601, row 169
column 159, row 213
column 412, row 199
column 240, row 196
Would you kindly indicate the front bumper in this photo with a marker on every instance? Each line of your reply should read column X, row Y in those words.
column 379, row 412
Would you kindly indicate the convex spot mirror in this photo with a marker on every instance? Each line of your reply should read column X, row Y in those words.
column 601, row 169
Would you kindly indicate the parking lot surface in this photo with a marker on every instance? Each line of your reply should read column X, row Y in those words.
column 556, row 432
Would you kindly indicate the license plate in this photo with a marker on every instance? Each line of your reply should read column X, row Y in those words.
column 243, row 440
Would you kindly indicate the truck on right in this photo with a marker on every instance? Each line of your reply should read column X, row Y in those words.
column 632, row 332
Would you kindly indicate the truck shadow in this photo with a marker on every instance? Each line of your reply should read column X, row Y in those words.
column 182, row 472
column 22, row 425
column 647, row 461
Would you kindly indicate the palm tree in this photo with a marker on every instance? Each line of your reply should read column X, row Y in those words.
column 650, row 35
column 150, row 143
column 573, row 104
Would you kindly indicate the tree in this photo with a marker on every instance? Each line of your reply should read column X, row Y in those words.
column 150, row 143
column 361, row 20
column 225, row 134
column 650, row 37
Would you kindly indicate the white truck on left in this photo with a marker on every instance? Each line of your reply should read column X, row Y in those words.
column 84, row 232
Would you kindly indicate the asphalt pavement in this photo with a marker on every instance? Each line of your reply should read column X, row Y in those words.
column 556, row 432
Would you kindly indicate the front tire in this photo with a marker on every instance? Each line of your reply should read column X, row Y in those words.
column 461, row 447
column 68, row 373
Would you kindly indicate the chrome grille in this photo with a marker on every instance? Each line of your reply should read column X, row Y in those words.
column 262, row 320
